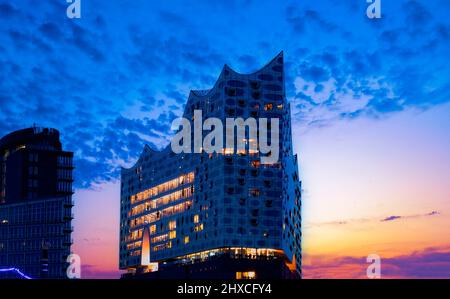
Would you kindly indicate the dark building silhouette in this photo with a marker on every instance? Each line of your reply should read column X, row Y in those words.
column 35, row 203
column 222, row 215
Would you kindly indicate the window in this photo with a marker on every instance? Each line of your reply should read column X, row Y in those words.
column 254, row 84
column 172, row 234
column 230, row 91
column 255, row 163
column 186, row 239
column 268, row 106
column 198, row 227
column 246, row 275
column 254, row 192
column 256, row 95
column 196, row 218
column 172, row 224
column 152, row 229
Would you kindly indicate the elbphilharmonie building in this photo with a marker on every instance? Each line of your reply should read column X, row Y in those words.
column 223, row 214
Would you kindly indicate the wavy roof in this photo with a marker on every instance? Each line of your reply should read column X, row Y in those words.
column 199, row 94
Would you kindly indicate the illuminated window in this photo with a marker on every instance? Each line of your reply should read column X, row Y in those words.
column 280, row 107
column 228, row 151
column 255, row 163
column 172, row 224
column 268, row 106
column 196, row 218
column 254, row 192
column 241, row 152
column 246, row 275
column 198, row 228
column 186, row 239
column 154, row 191
column 152, row 229
column 172, row 234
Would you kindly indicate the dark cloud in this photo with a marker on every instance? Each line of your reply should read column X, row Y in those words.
column 7, row 10
column 314, row 73
column 390, row 218
column 431, row 262
column 51, row 31
column 303, row 19
column 111, row 87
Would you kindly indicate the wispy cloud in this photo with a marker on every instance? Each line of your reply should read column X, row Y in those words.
column 374, row 219
column 392, row 218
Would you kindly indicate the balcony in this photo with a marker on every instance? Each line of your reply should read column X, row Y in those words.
column 68, row 230
column 69, row 216
column 67, row 242
column 69, row 203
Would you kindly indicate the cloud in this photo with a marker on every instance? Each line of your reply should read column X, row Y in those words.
column 51, row 31
column 7, row 10
column 111, row 87
column 431, row 262
column 94, row 272
column 361, row 220
column 392, row 218
column 302, row 20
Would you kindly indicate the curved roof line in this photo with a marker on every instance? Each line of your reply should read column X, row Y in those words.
column 207, row 92
column 204, row 94
column 146, row 149
column 279, row 55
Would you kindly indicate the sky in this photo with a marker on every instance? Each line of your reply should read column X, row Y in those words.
column 370, row 102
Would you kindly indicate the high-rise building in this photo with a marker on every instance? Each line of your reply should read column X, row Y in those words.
column 217, row 215
column 35, row 203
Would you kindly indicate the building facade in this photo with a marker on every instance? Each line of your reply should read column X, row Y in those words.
column 35, row 203
column 219, row 215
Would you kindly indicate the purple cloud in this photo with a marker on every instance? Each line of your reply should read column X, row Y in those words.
column 428, row 263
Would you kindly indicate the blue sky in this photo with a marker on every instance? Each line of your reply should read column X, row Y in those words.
column 370, row 104
column 114, row 79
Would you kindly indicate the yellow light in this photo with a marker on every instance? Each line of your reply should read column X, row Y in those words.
column 169, row 185
column 172, row 224
column 186, row 239
column 152, row 229
column 196, row 218
column 198, row 228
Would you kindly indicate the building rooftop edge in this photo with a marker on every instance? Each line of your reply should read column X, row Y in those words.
column 204, row 94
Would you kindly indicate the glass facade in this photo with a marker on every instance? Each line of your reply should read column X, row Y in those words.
column 194, row 203
column 35, row 203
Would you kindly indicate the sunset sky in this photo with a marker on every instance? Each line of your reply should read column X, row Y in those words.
column 370, row 107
